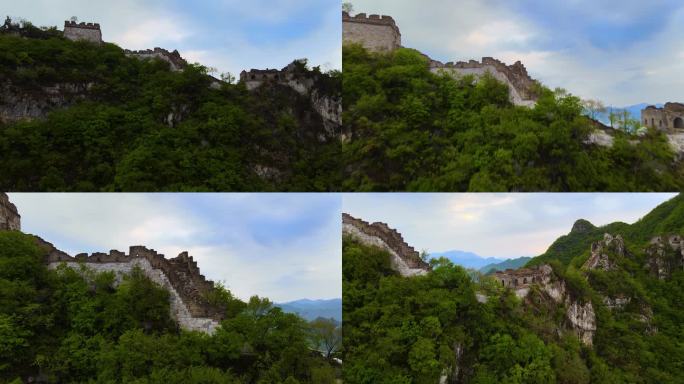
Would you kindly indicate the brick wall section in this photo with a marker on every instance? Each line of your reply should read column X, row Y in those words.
column 83, row 32
column 374, row 32
column 524, row 277
column 391, row 238
column 669, row 119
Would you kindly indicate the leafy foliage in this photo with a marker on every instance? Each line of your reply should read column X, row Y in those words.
column 137, row 126
column 76, row 326
column 420, row 131
column 415, row 330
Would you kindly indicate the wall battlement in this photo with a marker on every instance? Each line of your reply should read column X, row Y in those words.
column 73, row 24
column 522, row 86
column 83, row 32
column 374, row 32
column 406, row 260
column 669, row 119
column 10, row 220
column 174, row 58
column 524, row 277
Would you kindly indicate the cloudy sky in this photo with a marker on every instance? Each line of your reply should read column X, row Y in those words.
column 281, row 246
column 230, row 35
column 495, row 225
column 622, row 52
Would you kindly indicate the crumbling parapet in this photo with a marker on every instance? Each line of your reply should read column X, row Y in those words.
column 519, row 279
column 374, row 32
column 522, row 88
column 83, row 32
column 669, row 119
column 10, row 220
column 405, row 259
column 175, row 60
column 180, row 276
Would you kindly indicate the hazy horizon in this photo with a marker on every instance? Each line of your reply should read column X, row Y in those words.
column 502, row 225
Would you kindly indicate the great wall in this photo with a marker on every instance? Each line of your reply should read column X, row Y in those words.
column 329, row 107
column 180, row 276
column 381, row 34
column 580, row 315
column 404, row 259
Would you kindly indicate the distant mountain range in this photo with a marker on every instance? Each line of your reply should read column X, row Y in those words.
column 311, row 309
column 472, row 260
column 506, row 264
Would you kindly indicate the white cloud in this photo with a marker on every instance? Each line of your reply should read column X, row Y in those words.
column 470, row 29
column 499, row 225
column 305, row 264
column 150, row 32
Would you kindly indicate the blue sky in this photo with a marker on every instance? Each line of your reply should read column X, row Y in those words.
column 495, row 224
column 229, row 35
column 281, row 246
column 622, row 52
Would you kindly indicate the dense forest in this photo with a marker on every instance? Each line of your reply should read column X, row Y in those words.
column 419, row 131
column 67, row 326
column 419, row 329
column 116, row 123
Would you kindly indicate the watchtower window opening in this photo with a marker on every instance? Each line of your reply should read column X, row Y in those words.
column 525, row 280
column 652, row 122
column 678, row 123
column 253, row 77
column 661, row 123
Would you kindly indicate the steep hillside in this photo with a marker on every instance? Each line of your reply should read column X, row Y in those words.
column 94, row 117
column 612, row 314
column 667, row 218
column 413, row 129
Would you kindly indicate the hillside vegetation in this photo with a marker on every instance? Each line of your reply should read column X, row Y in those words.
column 115, row 123
column 419, row 131
column 69, row 326
column 418, row 329
column 667, row 218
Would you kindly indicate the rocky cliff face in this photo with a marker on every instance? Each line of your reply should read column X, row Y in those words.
column 17, row 103
column 9, row 216
column 405, row 260
column 665, row 254
column 601, row 251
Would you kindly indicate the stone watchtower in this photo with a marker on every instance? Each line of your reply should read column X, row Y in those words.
column 669, row 119
column 9, row 216
column 83, row 32
column 376, row 33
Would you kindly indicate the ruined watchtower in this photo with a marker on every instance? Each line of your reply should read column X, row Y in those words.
column 376, row 33
column 669, row 119
column 9, row 216
column 83, row 32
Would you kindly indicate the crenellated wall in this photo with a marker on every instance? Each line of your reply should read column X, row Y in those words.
column 405, row 260
column 180, row 276
column 176, row 62
column 83, row 32
column 522, row 88
column 376, row 33
column 328, row 107
column 669, row 119
column 521, row 279
column 10, row 220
